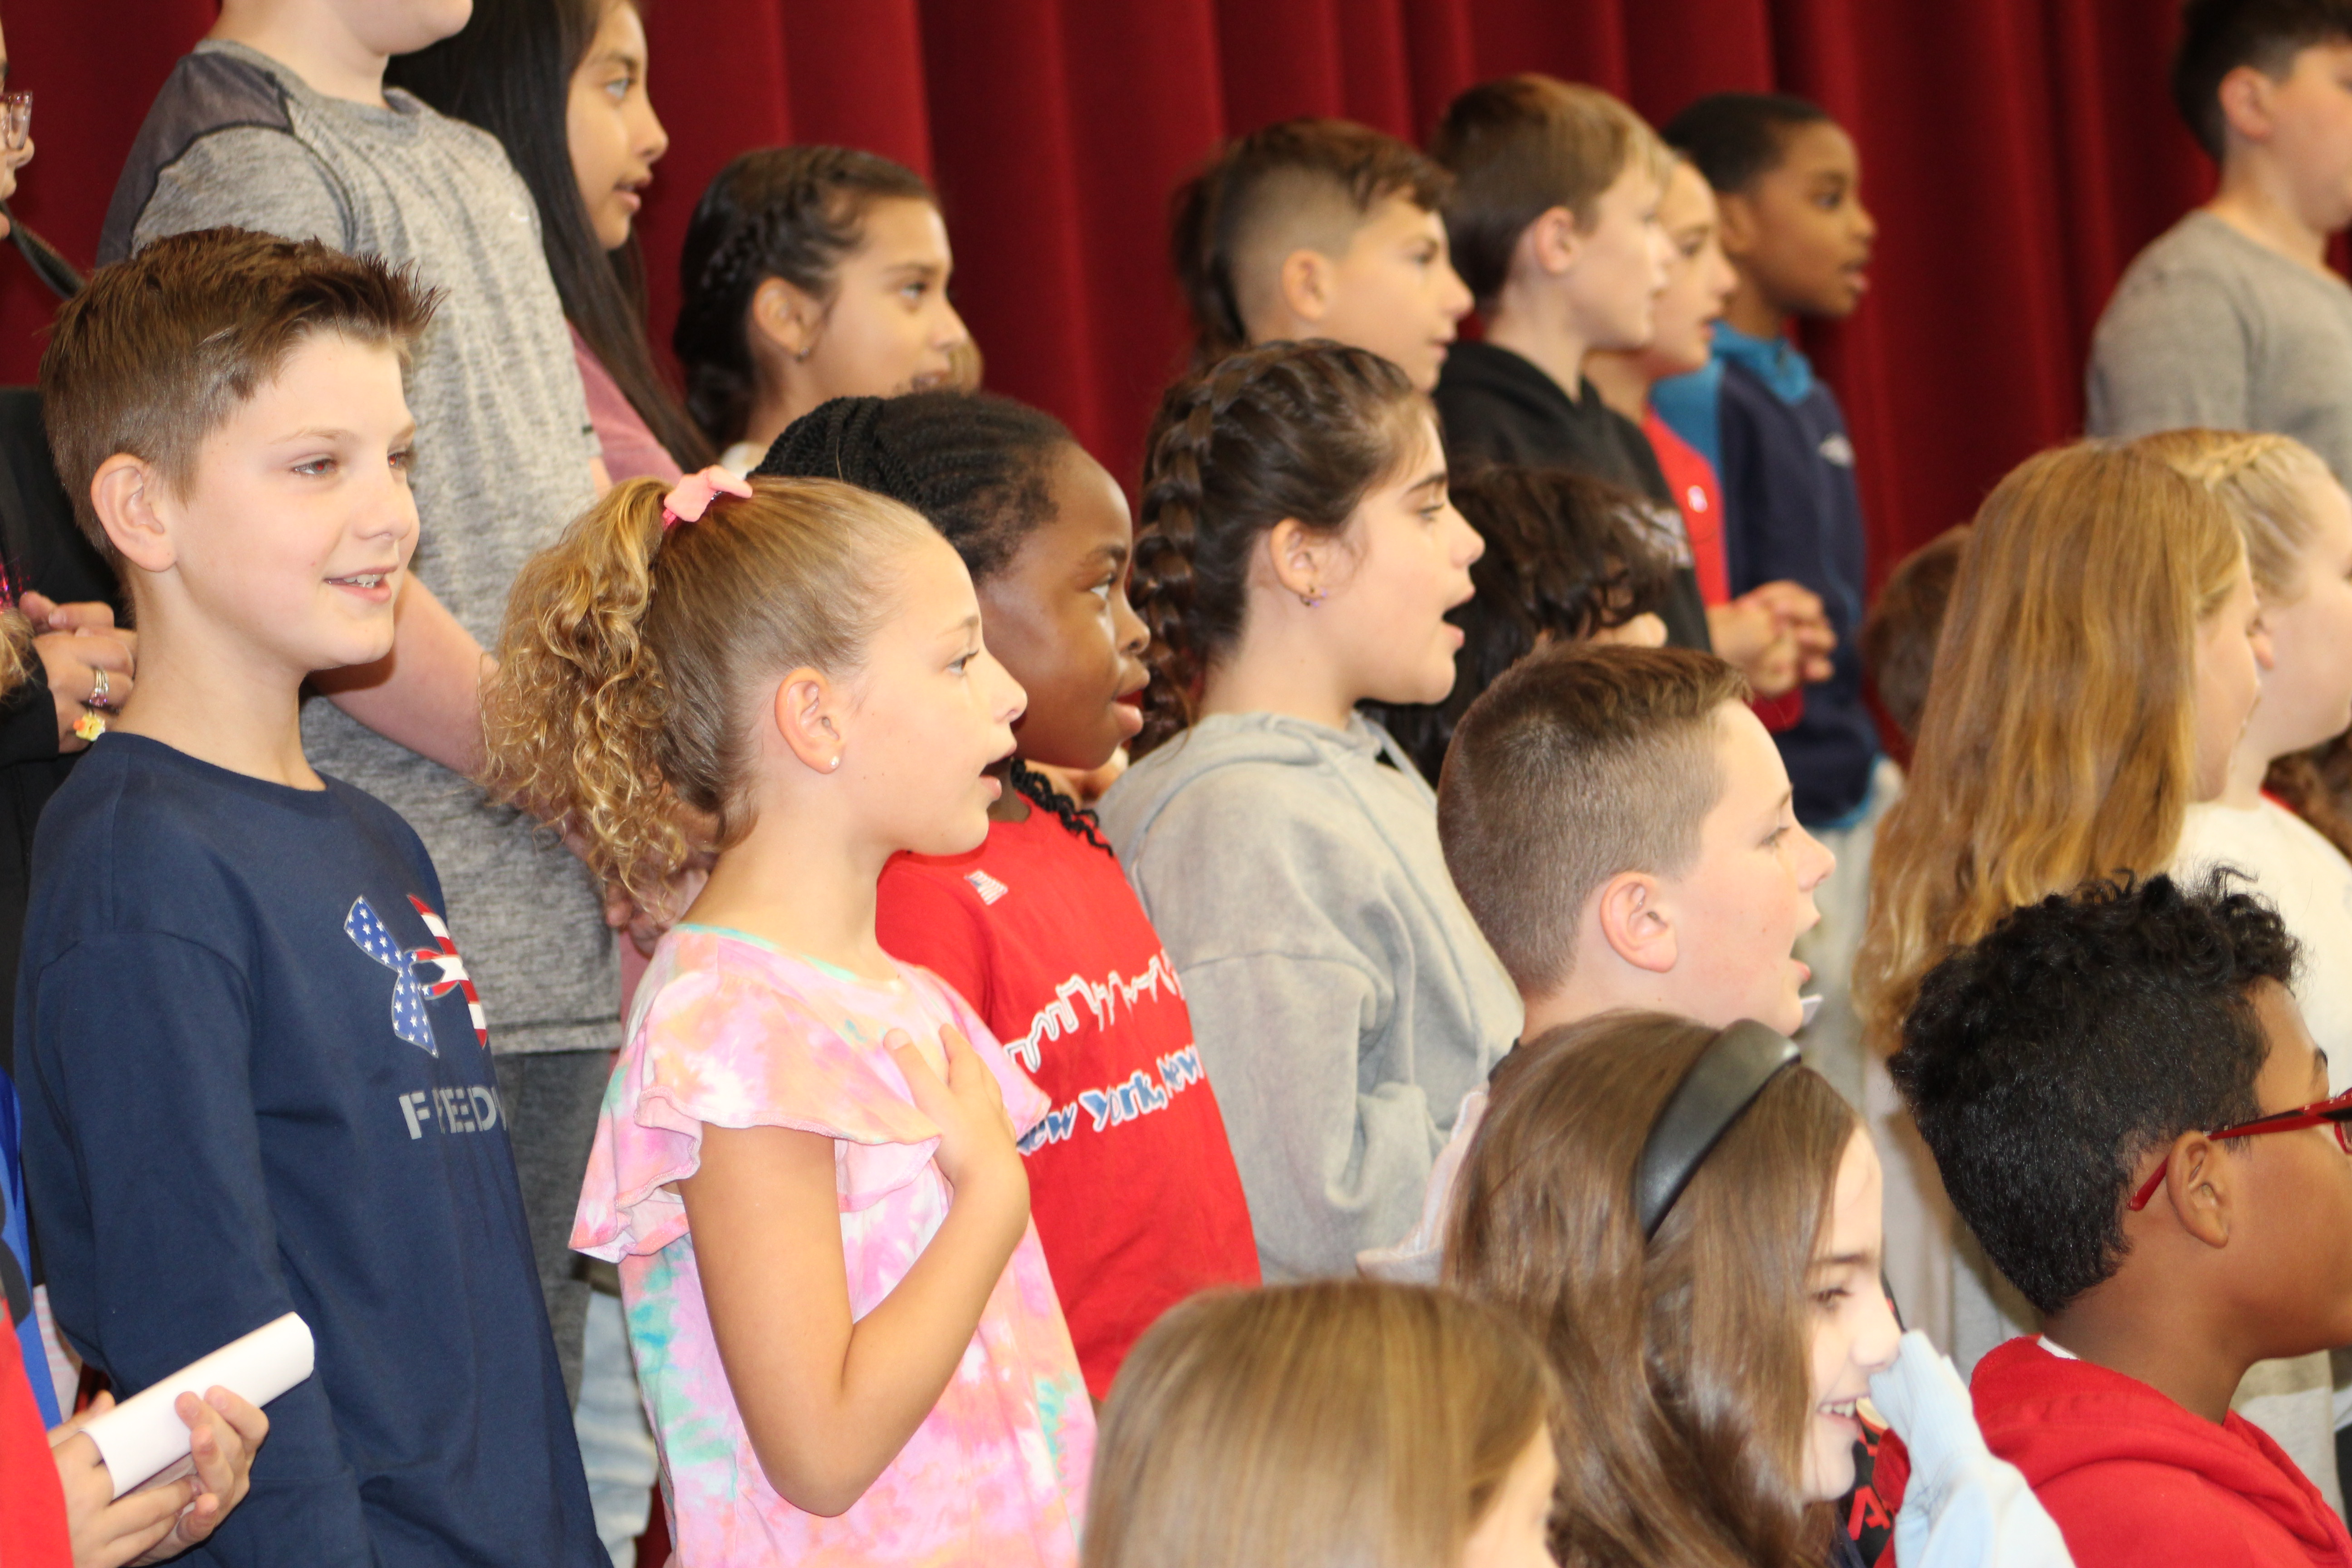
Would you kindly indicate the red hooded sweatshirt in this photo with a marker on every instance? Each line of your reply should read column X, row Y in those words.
column 2136, row 1481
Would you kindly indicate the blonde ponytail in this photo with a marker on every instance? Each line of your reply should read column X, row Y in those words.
column 631, row 657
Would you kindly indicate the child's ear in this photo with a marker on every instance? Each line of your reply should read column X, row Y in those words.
column 1735, row 223
column 1301, row 559
column 1633, row 920
column 1553, row 244
column 1306, row 282
column 810, row 716
column 2198, row 1189
column 127, row 494
column 2245, row 98
column 786, row 318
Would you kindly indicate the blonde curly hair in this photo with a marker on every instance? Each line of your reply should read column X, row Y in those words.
column 631, row 655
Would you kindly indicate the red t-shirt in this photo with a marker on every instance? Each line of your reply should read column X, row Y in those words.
column 1699, row 493
column 32, row 1505
column 1131, row 1180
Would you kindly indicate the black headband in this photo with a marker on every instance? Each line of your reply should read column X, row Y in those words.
column 1719, row 1089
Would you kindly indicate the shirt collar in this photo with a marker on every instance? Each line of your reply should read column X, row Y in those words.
column 1776, row 361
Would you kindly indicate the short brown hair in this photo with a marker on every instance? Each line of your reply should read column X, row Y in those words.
column 1321, row 1424
column 157, row 351
column 1588, row 760
column 1687, row 1355
column 1898, row 637
column 1300, row 175
column 1520, row 147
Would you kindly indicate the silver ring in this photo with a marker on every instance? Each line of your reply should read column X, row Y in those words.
column 97, row 697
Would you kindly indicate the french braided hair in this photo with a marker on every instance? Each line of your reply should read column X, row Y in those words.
column 977, row 464
column 1285, row 430
column 774, row 212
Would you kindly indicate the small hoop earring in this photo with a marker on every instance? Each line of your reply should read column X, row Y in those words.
column 1311, row 600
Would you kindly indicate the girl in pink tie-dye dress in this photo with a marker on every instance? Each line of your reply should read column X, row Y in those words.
column 805, row 1167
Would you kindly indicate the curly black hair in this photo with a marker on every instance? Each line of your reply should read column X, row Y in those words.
column 1735, row 137
column 1567, row 555
column 2044, row 1060
column 977, row 464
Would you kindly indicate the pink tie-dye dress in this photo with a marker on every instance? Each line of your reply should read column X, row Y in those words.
column 732, row 1032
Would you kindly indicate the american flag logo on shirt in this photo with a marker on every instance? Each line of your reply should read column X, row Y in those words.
column 409, row 992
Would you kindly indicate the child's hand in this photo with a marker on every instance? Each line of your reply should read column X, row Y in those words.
column 224, row 1430
column 1798, row 610
column 164, row 1517
column 976, row 1146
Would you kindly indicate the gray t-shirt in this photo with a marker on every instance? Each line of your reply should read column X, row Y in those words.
column 503, row 442
column 2209, row 328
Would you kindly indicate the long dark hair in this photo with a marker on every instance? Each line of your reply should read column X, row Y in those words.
column 979, row 466
column 1567, row 556
column 1285, row 430
column 509, row 70
column 774, row 212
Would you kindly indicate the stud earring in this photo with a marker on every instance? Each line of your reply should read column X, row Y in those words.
column 833, row 763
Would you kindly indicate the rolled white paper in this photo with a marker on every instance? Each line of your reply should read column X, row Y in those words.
column 143, row 1434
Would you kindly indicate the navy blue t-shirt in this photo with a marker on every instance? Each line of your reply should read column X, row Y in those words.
column 1791, row 511
column 254, row 1081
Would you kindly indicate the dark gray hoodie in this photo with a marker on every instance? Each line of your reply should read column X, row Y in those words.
column 1341, row 996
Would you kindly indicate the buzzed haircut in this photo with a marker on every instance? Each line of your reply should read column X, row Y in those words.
column 2044, row 1060
column 1308, row 183
column 2217, row 37
column 1898, row 636
column 1520, row 147
column 158, row 352
column 1736, row 137
column 1586, row 760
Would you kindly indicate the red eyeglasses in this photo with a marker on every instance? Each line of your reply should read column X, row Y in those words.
column 2334, row 1114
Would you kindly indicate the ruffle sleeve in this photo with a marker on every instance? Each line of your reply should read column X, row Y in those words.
column 722, row 1045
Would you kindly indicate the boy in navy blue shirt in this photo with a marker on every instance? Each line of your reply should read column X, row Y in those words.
column 1794, row 230
column 257, row 1077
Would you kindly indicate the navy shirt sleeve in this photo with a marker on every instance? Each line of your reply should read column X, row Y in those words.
column 141, row 1041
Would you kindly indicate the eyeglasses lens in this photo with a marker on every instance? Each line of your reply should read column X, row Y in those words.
column 15, row 121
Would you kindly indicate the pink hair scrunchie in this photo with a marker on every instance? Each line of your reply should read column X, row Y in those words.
column 692, row 496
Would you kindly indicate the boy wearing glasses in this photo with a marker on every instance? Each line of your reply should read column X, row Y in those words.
column 2127, row 1108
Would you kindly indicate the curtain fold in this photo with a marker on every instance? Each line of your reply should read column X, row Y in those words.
column 2016, row 152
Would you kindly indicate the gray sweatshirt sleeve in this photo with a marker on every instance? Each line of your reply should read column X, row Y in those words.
column 1297, row 964
column 1332, row 1163
column 2172, row 352
column 248, row 177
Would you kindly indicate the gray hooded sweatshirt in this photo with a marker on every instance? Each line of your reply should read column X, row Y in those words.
column 1342, row 999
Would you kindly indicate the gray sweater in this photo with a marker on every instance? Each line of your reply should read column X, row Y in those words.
column 502, row 448
column 2208, row 328
column 1341, row 996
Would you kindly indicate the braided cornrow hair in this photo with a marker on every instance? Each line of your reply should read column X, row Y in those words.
column 1285, row 430
column 977, row 464
column 774, row 212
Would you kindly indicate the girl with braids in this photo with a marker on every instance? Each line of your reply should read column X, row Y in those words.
column 1296, row 557
column 810, row 273
column 805, row 1167
column 1130, row 1177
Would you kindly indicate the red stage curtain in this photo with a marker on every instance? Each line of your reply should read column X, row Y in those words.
column 2016, row 154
